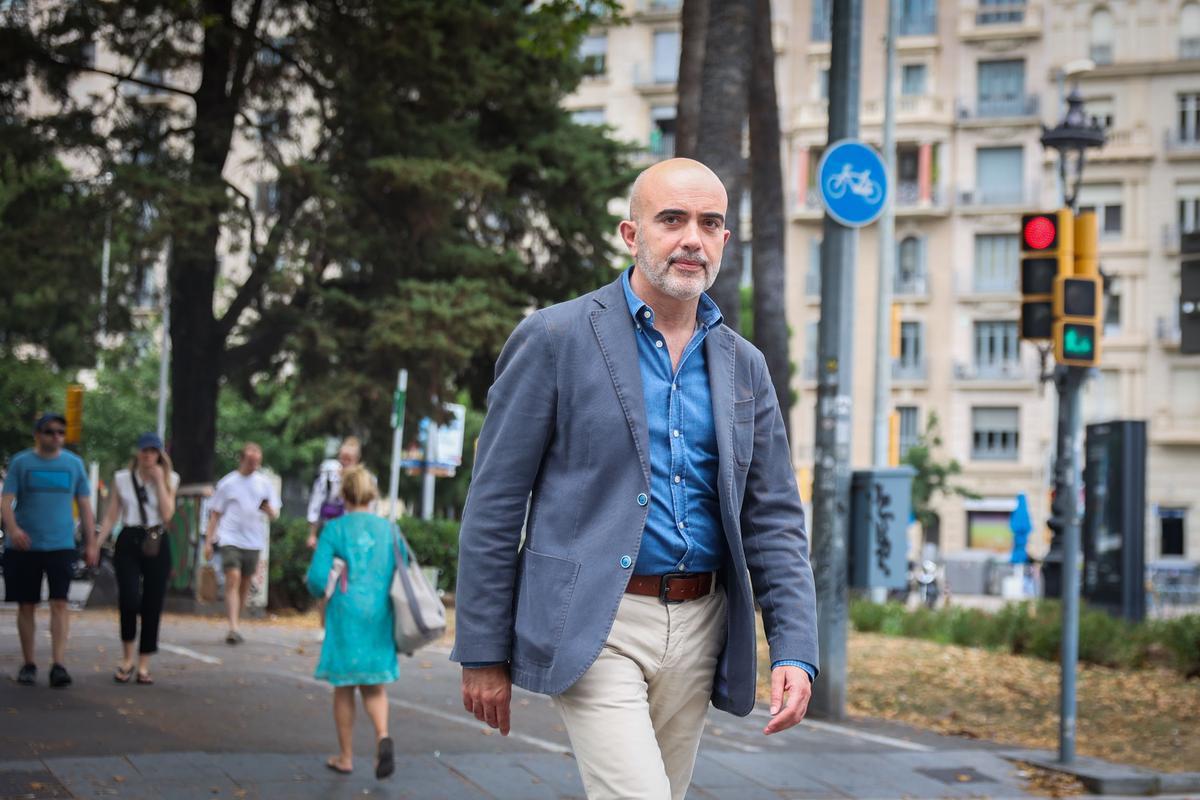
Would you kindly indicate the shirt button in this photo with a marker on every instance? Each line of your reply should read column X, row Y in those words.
column 658, row 343
column 626, row 562
column 642, row 499
column 678, row 479
column 680, row 526
column 673, row 387
column 680, row 567
column 675, row 433
column 646, row 314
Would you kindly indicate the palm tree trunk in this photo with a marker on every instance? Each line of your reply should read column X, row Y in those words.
column 694, row 28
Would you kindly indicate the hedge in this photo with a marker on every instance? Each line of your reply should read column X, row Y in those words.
column 1034, row 628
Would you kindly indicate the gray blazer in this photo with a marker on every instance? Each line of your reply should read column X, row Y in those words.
column 564, row 454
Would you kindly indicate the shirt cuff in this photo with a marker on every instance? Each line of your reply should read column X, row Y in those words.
column 481, row 664
column 787, row 662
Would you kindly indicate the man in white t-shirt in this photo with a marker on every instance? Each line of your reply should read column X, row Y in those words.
column 241, row 508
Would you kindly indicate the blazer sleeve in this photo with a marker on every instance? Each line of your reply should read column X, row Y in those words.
column 519, row 424
column 774, row 536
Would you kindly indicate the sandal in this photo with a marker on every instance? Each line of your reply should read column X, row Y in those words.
column 385, row 765
column 123, row 674
column 331, row 764
column 145, row 679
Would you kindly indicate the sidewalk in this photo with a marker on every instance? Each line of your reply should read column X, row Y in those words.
column 251, row 722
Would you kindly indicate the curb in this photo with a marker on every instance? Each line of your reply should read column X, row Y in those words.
column 1106, row 778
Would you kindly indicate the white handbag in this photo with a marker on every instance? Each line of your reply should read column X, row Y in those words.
column 420, row 615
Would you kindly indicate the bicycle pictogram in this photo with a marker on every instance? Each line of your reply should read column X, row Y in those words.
column 859, row 183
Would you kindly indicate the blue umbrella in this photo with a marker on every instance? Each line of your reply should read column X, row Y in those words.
column 1021, row 525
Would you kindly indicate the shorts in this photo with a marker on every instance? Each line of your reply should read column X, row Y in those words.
column 238, row 558
column 23, row 571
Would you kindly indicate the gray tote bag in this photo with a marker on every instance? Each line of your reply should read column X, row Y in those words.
column 420, row 615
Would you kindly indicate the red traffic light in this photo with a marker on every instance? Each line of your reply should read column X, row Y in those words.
column 1040, row 232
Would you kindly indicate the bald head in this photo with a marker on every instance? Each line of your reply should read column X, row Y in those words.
column 672, row 175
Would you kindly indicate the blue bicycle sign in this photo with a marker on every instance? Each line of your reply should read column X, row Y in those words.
column 854, row 183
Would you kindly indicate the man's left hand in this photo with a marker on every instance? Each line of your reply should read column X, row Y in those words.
column 794, row 683
column 92, row 556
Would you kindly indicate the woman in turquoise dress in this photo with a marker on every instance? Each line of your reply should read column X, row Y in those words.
column 359, row 649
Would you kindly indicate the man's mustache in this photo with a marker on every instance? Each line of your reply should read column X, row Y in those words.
column 698, row 258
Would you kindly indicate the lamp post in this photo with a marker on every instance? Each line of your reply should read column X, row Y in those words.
column 1071, row 138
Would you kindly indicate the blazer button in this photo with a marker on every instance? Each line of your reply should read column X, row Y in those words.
column 642, row 499
column 626, row 562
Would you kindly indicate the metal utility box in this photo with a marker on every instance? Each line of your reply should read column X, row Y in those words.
column 969, row 571
column 1114, row 550
column 880, row 507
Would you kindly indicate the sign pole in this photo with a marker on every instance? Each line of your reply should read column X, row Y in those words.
column 831, row 482
column 398, row 400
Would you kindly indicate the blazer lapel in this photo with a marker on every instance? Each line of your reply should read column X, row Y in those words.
column 614, row 332
column 720, row 352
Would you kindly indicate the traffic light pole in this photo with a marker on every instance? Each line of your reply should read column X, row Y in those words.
column 835, row 339
column 1065, row 521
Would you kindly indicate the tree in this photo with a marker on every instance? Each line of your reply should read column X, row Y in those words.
column 768, row 263
column 724, row 89
column 933, row 478
column 421, row 187
column 693, row 25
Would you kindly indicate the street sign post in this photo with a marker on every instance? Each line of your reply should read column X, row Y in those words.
column 854, row 182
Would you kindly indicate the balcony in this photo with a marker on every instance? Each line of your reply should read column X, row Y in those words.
column 925, row 25
column 990, row 108
column 987, row 197
column 982, row 21
column 910, row 109
column 908, row 197
column 910, row 286
column 1128, row 144
column 908, row 370
column 809, row 368
column 1101, row 54
column 648, row 82
column 1166, row 330
column 656, row 10
column 992, row 372
column 1181, row 145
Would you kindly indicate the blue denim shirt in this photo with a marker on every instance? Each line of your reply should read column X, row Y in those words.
column 683, row 530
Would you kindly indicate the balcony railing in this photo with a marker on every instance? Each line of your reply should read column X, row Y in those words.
column 991, row 371
column 1000, row 13
column 908, row 195
column 809, row 367
column 908, row 371
column 658, row 6
column 990, row 107
column 911, row 286
column 924, row 25
column 993, row 196
column 1181, row 141
column 996, row 284
column 661, row 145
column 644, row 78
column 1166, row 330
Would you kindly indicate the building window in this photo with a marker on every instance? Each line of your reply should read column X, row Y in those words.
column 1189, row 117
column 999, row 173
column 918, row 17
column 812, row 278
column 1101, row 49
column 666, row 56
column 997, row 348
column 912, row 80
column 1189, row 31
column 1105, row 200
column 823, row 83
column 1171, row 531
column 910, row 432
column 997, row 263
column 1100, row 109
column 593, row 51
column 822, row 27
column 588, row 116
column 995, row 433
column 1188, row 205
column 911, row 364
column 662, row 131
column 1002, row 88
column 810, row 351
column 910, row 266
column 1112, row 307
column 999, row 12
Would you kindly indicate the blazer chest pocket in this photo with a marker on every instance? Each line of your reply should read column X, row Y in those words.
column 547, row 584
column 743, row 431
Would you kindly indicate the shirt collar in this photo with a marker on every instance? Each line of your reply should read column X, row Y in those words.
column 707, row 312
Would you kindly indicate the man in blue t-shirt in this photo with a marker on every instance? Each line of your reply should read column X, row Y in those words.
column 43, row 482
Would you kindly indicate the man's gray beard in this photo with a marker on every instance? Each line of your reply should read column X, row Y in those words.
column 661, row 279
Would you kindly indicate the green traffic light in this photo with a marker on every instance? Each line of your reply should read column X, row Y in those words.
column 1078, row 341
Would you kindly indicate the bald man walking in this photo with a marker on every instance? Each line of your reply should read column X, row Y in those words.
column 638, row 443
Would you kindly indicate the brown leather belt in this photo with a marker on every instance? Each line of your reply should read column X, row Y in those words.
column 674, row 587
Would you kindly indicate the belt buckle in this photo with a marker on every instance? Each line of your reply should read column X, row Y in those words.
column 662, row 587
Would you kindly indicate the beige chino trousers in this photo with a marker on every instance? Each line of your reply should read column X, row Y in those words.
column 636, row 716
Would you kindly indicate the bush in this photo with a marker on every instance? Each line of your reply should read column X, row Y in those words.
column 290, row 558
column 435, row 542
column 866, row 616
column 1181, row 637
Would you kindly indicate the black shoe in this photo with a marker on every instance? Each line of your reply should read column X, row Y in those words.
column 385, row 764
column 59, row 677
column 28, row 675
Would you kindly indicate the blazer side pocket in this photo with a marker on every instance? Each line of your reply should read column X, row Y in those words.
column 547, row 584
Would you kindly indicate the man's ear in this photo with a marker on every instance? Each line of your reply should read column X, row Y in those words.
column 628, row 231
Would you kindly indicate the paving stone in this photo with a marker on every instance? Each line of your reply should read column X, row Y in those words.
column 774, row 771
column 559, row 771
column 31, row 780
column 711, row 774
column 74, row 772
column 180, row 766
column 501, row 777
column 272, row 767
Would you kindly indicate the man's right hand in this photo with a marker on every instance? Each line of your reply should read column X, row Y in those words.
column 20, row 539
column 487, row 693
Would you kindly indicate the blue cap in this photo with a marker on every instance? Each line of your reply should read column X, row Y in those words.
column 52, row 416
column 149, row 440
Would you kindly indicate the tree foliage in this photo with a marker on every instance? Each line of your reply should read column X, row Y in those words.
column 419, row 185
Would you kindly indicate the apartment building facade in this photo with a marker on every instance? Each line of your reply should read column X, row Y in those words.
column 975, row 81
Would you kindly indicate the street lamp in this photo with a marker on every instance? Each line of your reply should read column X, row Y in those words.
column 1072, row 137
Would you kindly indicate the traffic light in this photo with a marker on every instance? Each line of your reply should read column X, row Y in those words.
column 1047, row 251
column 1077, row 301
column 74, row 414
column 1189, row 294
